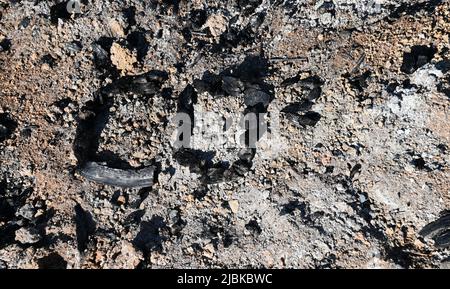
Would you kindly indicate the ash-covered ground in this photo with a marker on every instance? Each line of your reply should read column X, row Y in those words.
column 356, row 175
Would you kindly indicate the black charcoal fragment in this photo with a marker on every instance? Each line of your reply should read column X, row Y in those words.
column 419, row 163
column 443, row 240
column 253, row 69
column 198, row 17
column 216, row 173
column 232, row 38
column 412, row 8
column 211, row 83
column 311, row 82
column 360, row 82
column 254, row 227
column 200, row 193
column 418, row 57
column 48, row 59
column 328, row 7
column 312, row 85
column 152, row 234
column 85, row 227
column 240, row 168
column 255, row 96
column 314, row 93
column 52, row 261
column 5, row 45
column 130, row 178
column 25, row 22
column 187, row 99
column 59, row 11
column 308, row 119
column 134, row 218
column 7, row 126
column 137, row 40
column 355, row 170
column 290, row 81
column 232, row 85
column 101, row 57
column 298, row 106
column 130, row 16
column 200, row 162
column 196, row 160
column 147, row 83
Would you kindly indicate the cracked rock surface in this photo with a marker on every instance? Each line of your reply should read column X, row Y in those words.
column 357, row 177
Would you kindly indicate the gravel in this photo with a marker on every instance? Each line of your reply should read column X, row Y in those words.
column 345, row 166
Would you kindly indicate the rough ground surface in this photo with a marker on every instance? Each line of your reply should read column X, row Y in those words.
column 356, row 183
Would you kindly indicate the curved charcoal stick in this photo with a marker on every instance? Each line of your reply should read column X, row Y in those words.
column 118, row 177
column 436, row 227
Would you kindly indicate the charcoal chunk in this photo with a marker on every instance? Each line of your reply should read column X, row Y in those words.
column 355, row 170
column 232, row 85
column 85, row 227
column 233, row 37
column 152, row 234
column 418, row 57
column 52, row 261
column 147, row 83
column 187, row 99
column 240, row 168
column 196, row 160
column 328, row 7
column 360, row 82
column 130, row 178
column 198, row 17
column 216, row 174
column 252, row 69
column 314, row 93
column 311, row 85
column 211, row 83
column 254, row 227
column 101, row 56
column 5, row 45
column 308, row 119
column 59, row 11
column 255, row 96
column 137, row 40
column 311, row 82
column 290, row 81
column 48, row 59
column 130, row 16
column 298, row 106
column 443, row 240
column 7, row 126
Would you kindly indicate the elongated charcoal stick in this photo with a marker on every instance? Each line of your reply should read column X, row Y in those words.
column 117, row 177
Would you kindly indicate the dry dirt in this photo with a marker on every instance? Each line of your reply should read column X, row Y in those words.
column 351, row 186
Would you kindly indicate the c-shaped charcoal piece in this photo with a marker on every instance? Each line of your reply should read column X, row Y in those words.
column 439, row 231
column 90, row 127
column 130, row 178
